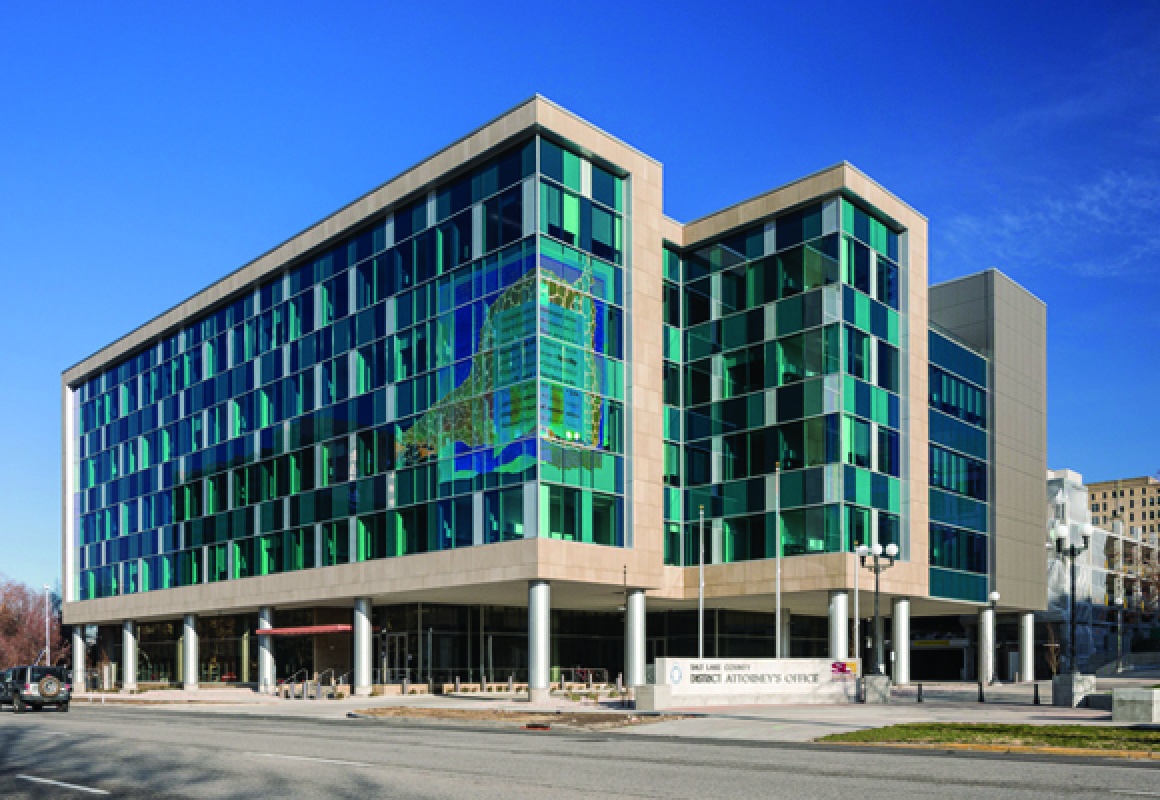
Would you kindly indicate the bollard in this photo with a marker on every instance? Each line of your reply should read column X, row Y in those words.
column 981, row 698
column 1035, row 701
column 406, row 684
column 457, row 684
column 919, row 697
column 511, row 683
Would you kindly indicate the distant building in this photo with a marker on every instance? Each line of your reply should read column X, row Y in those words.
column 1118, row 573
column 1133, row 501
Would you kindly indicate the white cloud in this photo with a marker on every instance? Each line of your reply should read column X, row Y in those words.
column 1108, row 226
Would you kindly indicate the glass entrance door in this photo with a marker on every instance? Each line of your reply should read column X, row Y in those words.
column 395, row 657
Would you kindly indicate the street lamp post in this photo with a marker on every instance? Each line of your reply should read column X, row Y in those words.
column 777, row 543
column 47, row 640
column 701, row 592
column 857, row 610
column 877, row 567
column 994, row 598
column 1119, row 625
column 1071, row 551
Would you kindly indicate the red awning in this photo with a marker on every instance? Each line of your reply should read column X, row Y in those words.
column 308, row 630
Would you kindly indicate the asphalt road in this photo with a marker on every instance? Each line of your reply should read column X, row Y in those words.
column 150, row 752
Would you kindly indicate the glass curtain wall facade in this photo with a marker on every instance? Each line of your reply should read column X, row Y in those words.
column 959, row 512
column 786, row 379
column 452, row 376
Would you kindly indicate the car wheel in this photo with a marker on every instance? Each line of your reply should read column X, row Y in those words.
column 18, row 706
column 63, row 707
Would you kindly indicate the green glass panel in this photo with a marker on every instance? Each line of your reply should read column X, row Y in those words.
column 672, row 266
column 859, row 486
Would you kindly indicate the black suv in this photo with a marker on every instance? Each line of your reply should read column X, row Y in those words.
column 35, row 687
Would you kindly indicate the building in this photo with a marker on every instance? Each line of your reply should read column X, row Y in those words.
column 1132, row 501
column 1117, row 578
column 466, row 427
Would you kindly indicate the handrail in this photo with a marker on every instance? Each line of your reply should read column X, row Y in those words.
column 318, row 684
column 293, row 679
column 342, row 678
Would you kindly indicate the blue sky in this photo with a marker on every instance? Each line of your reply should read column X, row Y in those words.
column 148, row 149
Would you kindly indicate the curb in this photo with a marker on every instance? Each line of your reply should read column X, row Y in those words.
column 128, row 701
column 1046, row 750
column 488, row 724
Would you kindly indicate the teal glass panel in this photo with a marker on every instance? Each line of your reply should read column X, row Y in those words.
column 813, row 530
column 672, row 265
column 958, row 585
column 867, row 228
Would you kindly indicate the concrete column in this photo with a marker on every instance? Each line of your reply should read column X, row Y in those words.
column 900, row 639
column 839, row 624
column 783, row 639
column 128, row 655
column 362, row 646
column 634, row 636
column 1027, row 646
column 265, row 651
column 539, row 640
column 245, row 659
column 189, row 652
column 986, row 643
column 78, row 658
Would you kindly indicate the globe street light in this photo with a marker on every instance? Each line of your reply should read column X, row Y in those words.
column 1065, row 549
column 877, row 567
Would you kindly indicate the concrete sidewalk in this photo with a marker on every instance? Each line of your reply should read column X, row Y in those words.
column 1009, row 704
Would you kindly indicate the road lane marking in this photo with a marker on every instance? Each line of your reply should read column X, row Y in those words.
column 72, row 786
column 316, row 760
column 1135, row 793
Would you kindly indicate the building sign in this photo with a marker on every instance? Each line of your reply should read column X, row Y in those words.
column 789, row 679
column 939, row 643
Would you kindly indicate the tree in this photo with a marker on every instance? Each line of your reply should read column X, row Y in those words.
column 1052, row 648
column 22, row 625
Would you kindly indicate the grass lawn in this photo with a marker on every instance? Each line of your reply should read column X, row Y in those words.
column 1088, row 736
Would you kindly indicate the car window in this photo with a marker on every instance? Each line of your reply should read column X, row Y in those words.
column 41, row 672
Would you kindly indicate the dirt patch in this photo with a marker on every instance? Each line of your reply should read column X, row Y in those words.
column 579, row 720
column 1086, row 737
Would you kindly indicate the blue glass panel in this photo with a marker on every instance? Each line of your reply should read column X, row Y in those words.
column 959, row 511
column 946, row 430
column 956, row 358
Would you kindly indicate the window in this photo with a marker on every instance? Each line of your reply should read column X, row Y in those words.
column 888, row 369
column 857, row 353
column 857, row 441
